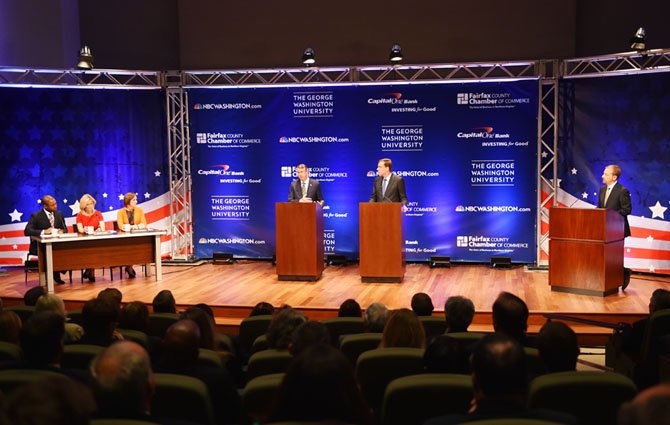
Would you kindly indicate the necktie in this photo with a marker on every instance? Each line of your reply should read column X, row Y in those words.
column 304, row 189
column 607, row 195
column 51, row 219
column 384, row 184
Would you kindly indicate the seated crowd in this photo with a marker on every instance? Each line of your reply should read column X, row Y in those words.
column 134, row 351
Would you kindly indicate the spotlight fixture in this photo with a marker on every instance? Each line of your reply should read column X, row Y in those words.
column 396, row 53
column 501, row 262
column 85, row 58
column 308, row 57
column 638, row 41
column 223, row 258
column 439, row 261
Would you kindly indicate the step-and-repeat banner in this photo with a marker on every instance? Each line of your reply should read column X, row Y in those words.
column 467, row 152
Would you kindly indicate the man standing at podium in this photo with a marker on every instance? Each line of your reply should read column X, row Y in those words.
column 616, row 197
column 305, row 189
column 388, row 187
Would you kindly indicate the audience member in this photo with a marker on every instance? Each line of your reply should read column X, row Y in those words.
column 10, row 326
column 262, row 309
column 632, row 336
column 446, row 355
column 307, row 334
column 52, row 302
column 134, row 316
column 205, row 324
column 376, row 316
column 179, row 354
column 99, row 317
column 510, row 316
column 403, row 329
column 55, row 400
column 282, row 326
column 500, row 382
column 558, row 347
column 111, row 294
column 164, row 302
column 650, row 407
column 422, row 305
column 320, row 386
column 458, row 312
column 33, row 294
column 349, row 308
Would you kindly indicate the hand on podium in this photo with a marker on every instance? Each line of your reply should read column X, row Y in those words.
column 404, row 208
column 305, row 199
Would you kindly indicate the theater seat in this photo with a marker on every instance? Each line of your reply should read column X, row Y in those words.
column 181, row 397
column 10, row 352
column 411, row 400
column 159, row 322
column 12, row 378
column 352, row 346
column 593, row 397
column 79, row 356
column 250, row 329
column 267, row 362
column 257, row 397
column 338, row 326
column 375, row 369
column 433, row 326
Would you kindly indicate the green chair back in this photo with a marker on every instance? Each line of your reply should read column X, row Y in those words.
column 13, row 378
column 257, row 397
column 79, row 356
column 352, row 346
column 10, row 352
column 593, row 397
column 339, row 326
column 250, row 329
column 267, row 362
column 183, row 398
column 411, row 400
column 159, row 322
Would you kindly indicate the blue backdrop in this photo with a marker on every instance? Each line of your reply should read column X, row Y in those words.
column 468, row 154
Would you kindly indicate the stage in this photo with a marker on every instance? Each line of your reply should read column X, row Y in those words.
column 233, row 289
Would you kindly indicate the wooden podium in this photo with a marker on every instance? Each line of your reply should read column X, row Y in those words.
column 382, row 245
column 299, row 231
column 585, row 250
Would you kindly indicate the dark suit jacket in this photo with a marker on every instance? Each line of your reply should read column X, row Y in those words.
column 313, row 191
column 618, row 200
column 40, row 221
column 395, row 191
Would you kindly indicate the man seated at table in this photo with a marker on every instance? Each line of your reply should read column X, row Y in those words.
column 47, row 221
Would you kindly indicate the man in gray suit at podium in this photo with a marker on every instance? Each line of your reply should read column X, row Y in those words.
column 616, row 197
column 388, row 187
column 305, row 189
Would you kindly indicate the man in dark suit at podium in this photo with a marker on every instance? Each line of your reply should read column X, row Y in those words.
column 305, row 189
column 616, row 197
column 388, row 187
column 47, row 221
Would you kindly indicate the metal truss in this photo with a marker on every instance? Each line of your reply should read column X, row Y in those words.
column 179, row 149
column 363, row 74
column 104, row 78
column 656, row 60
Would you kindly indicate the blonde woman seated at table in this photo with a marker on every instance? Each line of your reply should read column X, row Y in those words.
column 130, row 217
column 89, row 220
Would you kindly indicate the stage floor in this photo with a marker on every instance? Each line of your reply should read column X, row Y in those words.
column 234, row 289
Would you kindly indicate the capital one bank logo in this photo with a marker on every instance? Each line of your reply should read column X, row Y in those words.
column 462, row 241
column 462, row 98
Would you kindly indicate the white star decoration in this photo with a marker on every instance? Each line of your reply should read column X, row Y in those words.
column 15, row 246
column 574, row 170
column 157, row 173
column 65, row 201
column 559, row 182
column 658, row 211
column 627, row 249
column 120, row 197
column 147, row 195
column 652, row 269
column 104, row 195
column 650, row 239
column 585, row 195
column 15, row 215
column 111, row 207
column 39, row 201
column 75, row 208
column 544, row 154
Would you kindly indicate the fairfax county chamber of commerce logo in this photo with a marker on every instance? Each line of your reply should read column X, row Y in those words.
column 225, row 140
column 484, row 132
column 490, row 100
column 325, row 174
column 486, row 243
column 226, row 106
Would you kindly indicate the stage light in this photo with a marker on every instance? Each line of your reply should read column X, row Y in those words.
column 639, row 40
column 222, row 258
column 85, row 58
column 308, row 57
column 501, row 262
column 336, row 260
column 439, row 261
column 396, row 53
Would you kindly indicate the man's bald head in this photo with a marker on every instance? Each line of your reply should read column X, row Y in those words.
column 650, row 407
column 181, row 342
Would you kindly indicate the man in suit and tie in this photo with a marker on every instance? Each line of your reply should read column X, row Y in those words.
column 616, row 197
column 305, row 189
column 388, row 187
column 47, row 221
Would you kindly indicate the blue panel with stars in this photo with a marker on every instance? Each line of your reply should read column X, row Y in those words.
column 67, row 142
